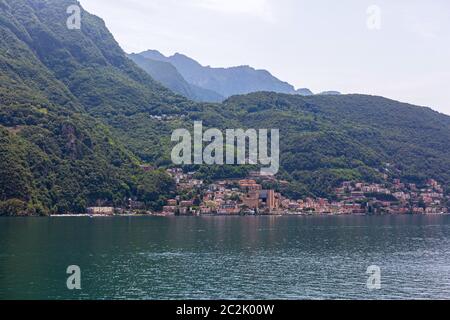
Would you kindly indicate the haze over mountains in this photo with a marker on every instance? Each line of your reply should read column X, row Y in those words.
column 168, row 75
column 189, row 78
column 78, row 118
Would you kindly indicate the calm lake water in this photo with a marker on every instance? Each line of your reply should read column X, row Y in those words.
column 225, row 257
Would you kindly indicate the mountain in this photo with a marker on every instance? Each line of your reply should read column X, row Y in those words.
column 304, row 92
column 225, row 81
column 54, row 155
column 78, row 118
column 189, row 78
column 330, row 93
column 327, row 139
column 168, row 76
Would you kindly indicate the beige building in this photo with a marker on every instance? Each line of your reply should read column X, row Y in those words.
column 262, row 199
column 106, row 211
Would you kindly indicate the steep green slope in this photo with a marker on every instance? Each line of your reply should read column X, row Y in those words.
column 93, row 67
column 53, row 157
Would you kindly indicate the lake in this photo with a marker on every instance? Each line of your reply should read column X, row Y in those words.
column 225, row 257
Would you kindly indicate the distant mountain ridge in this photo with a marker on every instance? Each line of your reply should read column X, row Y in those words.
column 168, row 75
column 191, row 78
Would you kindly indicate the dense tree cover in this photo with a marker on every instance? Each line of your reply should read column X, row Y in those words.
column 54, row 157
column 328, row 139
column 77, row 118
column 149, row 188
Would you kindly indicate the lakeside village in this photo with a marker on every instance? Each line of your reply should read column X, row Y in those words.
column 247, row 197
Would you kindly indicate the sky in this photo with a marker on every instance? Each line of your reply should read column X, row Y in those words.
column 399, row 49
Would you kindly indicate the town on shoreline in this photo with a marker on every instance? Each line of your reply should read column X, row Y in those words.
column 243, row 197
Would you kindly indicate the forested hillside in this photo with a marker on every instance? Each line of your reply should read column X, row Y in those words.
column 54, row 157
column 78, row 117
column 328, row 139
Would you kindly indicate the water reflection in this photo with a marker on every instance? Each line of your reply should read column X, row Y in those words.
column 226, row 257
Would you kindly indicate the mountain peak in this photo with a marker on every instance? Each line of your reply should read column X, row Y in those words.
column 152, row 54
column 225, row 81
column 304, row 92
column 330, row 93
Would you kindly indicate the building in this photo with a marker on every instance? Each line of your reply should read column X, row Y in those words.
column 170, row 209
column 172, row 202
column 187, row 203
column 229, row 209
column 105, row 211
column 251, row 200
column 206, row 210
column 259, row 199
column 268, row 199
column 249, row 185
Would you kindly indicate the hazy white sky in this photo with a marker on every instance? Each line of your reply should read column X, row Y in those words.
column 318, row 44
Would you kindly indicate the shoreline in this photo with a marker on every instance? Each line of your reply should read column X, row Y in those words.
column 237, row 216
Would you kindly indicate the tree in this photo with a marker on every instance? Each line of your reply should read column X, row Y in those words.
column 13, row 207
